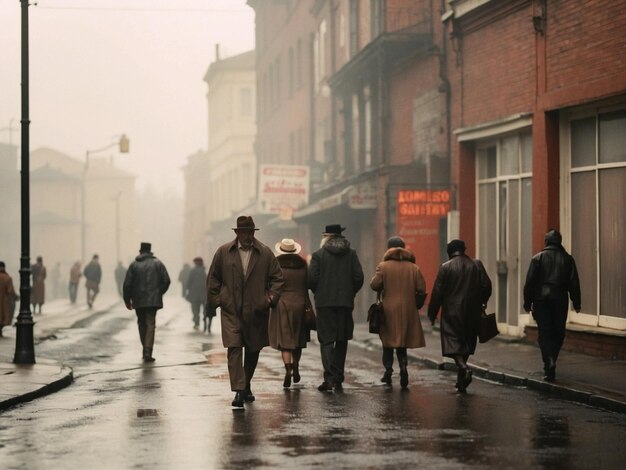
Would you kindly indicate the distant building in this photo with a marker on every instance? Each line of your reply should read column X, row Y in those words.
column 222, row 182
column 10, row 206
column 110, row 220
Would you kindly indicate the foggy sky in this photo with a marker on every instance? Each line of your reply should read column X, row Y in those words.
column 99, row 68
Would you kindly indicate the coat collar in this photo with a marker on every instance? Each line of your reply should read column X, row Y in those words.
column 399, row 254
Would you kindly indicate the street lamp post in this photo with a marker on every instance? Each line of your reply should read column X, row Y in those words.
column 123, row 146
column 24, row 344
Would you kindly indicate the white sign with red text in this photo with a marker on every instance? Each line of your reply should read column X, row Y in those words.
column 283, row 188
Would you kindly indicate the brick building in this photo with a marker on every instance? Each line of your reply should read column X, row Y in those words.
column 539, row 121
column 353, row 89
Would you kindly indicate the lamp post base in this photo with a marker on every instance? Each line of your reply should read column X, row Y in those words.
column 24, row 349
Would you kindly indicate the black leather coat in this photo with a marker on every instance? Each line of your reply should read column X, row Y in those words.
column 461, row 288
column 552, row 274
column 146, row 281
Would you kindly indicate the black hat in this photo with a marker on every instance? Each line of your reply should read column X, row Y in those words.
column 145, row 247
column 245, row 222
column 456, row 246
column 395, row 242
column 553, row 237
column 198, row 260
column 334, row 229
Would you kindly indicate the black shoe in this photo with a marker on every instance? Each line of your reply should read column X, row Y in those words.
column 404, row 378
column 338, row 387
column 147, row 355
column 288, row 372
column 465, row 378
column 386, row 378
column 296, row 373
column 325, row 387
column 238, row 400
column 248, row 396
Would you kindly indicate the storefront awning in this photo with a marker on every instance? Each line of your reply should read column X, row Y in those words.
column 356, row 196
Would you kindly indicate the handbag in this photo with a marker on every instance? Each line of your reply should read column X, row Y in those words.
column 310, row 321
column 488, row 326
column 376, row 315
column 420, row 299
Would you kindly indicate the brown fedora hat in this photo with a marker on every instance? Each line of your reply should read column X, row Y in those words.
column 245, row 222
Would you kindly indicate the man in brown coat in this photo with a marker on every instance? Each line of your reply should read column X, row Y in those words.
column 244, row 280
column 7, row 294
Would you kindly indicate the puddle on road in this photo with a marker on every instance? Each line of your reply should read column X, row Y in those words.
column 147, row 412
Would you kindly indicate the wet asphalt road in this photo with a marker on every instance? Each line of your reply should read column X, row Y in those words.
column 176, row 413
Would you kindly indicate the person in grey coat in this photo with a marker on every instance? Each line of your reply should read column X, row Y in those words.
column 145, row 283
column 461, row 289
column 195, row 290
column 335, row 277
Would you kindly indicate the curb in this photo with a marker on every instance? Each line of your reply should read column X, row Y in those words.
column 48, row 389
column 505, row 378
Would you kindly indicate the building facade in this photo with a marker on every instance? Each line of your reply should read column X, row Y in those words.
column 353, row 89
column 539, row 121
column 222, row 182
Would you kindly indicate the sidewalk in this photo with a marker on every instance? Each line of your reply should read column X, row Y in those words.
column 585, row 379
column 25, row 382
column 580, row 378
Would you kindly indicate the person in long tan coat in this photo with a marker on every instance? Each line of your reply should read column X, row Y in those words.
column 399, row 279
column 244, row 280
column 287, row 331
column 7, row 294
column 38, row 292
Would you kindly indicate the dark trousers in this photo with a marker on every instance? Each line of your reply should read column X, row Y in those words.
column 388, row 358
column 334, row 360
column 241, row 374
column 196, row 307
column 551, row 316
column 73, row 288
column 146, row 322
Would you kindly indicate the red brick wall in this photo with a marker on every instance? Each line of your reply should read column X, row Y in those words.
column 585, row 43
column 497, row 69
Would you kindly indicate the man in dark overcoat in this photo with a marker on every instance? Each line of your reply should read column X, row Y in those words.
column 552, row 274
column 335, row 277
column 461, row 289
column 244, row 280
column 195, row 290
column 145, row 283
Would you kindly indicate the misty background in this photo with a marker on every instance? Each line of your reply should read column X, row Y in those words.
column 102, row 68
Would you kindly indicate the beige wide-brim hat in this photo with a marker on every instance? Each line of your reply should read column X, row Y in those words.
column 287, row 246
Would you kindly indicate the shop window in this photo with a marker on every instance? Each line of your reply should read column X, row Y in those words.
column 597, row 207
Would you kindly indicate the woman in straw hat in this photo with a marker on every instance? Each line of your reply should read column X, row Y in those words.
column 287, row 331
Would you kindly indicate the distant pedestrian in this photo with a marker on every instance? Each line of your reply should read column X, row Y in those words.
column 244, row 280
column 399, row 280
column 145, row 283
column 7, row 297
column 195, row 290
column 93, row 276
column 120, row 275
column 75, row 275
column 461, row 289
column 335, row 277
column 287, row 331
column 55, row 280
column 38, row 292
column 552, row 275
column 183, row 276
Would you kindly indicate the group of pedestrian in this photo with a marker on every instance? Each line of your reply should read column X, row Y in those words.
column 263, row 296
